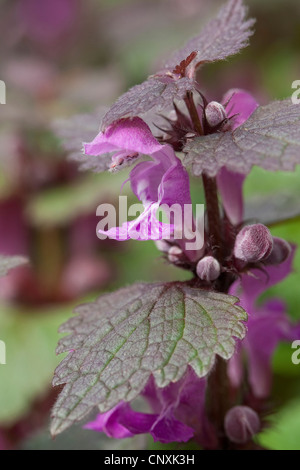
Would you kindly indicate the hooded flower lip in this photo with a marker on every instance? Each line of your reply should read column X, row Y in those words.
column 126, row 139
column 162, row 180
column 267, row 326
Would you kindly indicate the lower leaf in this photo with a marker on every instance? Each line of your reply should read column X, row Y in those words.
column 119, row 341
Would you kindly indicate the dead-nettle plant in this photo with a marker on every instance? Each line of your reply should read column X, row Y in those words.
column 182, row 345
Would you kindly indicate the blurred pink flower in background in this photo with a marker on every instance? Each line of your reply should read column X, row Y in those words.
column 47, row 22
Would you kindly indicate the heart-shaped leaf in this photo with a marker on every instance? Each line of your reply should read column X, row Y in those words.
column 119, row 341
column 222, row 37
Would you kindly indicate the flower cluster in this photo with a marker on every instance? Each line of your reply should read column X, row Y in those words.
column 236, row 259
column 255, row 259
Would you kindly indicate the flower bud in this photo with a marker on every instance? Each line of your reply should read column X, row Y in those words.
column 208, row 269
column 172, row 116
column 280, row 252
column 215, row 114
column 241, row 424
column 253, row 243
column 162, row 245
column 175, row 254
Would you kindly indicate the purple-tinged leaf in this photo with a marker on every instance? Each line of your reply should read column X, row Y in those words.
column 273, row 209
column 10, row 262
column 270, row 138
column 156, row 92
column 119, row 341
column 222, row 37
column 73, row 132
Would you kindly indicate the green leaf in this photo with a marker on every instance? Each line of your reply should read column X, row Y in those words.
column 10, row 262
column 117, row 342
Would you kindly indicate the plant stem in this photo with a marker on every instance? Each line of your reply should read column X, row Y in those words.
column 217, row 400
column 213, row 215
column 218, row 391
column 210, row 188
column 189, row 101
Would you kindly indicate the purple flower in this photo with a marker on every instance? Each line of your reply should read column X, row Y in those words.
column 178, row 414
column 268, row 324
column 126, row 139
column 109, row 422
column 239, row 106
column 162, row 180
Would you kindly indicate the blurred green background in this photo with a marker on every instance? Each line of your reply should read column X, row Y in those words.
column 64, row 57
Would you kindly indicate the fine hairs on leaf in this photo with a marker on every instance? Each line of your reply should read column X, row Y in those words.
column 270, row 138
column 10, row 262
column 116, row 343
column 222, row 37
column 156, row 92
column 81, row 128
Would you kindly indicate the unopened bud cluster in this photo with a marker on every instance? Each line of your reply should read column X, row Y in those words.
column 254, row 245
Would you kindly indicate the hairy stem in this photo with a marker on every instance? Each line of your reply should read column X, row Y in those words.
column 189, row 101
column 218, row 389
column 213, row 215
column 210, row 188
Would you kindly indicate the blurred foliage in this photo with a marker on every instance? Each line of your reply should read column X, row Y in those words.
column 284, row 432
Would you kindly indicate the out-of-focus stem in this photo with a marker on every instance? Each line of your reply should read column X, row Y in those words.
column 218, row 399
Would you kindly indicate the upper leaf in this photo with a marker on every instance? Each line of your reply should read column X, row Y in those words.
column 270, row 138
column 76, row 130
column 156, row 92
column 9, row 262
column 222, row 37
column 117, row 342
